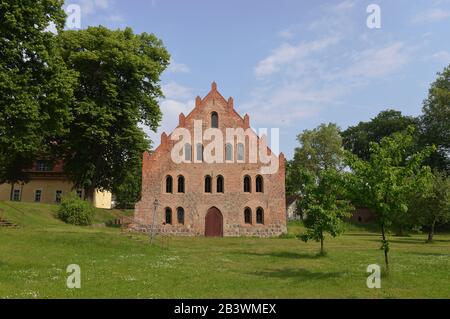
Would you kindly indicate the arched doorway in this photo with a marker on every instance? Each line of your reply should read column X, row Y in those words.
column 213, row 223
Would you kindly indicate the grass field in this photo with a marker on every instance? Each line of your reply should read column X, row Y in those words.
column 34, row 257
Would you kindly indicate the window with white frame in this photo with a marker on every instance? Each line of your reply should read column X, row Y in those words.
column 16, row 195
column 37, row 195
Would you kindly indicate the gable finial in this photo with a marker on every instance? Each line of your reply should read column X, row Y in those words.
column 213, row 86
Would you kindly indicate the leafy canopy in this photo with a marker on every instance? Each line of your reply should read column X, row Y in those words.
column 117, row 91
column 35, row 85
column 435, row 121
column 384, row 182
column 357, row 138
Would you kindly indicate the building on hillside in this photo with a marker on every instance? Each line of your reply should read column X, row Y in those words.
column 362, row 215
column 291, row 207
column 49, row 184
column 212, row 191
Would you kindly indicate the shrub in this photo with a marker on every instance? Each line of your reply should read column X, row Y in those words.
column 76, row 211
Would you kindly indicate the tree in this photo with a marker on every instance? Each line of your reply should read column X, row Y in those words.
column 35, row 85
column 432, row 205
column 117, row 90
column 435, row 123
column 320, row 148
column 357, row 138
column 324, row 207
column 383, row 182
column 127, row 190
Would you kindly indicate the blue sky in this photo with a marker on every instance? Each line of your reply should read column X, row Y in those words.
column 290, row 64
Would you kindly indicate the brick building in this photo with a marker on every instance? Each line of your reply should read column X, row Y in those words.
column 232, row 196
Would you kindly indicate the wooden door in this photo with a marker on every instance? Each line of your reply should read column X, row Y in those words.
column 213, row 223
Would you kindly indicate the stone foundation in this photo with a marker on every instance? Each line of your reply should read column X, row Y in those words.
column 262, row 231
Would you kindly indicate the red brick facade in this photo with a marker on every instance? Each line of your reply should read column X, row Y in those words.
column 194, row 201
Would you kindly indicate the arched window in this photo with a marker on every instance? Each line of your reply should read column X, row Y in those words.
column 228, row 152
column 214, row 120
column 187, row 152
column 180, row 184
column 240, row 152
column 259, row 215
column 220, row 184
column 259, row 184
column 208, row 184
column 199, row 151
column 168, row 215
column 169, row 182
column 247, row 215
column 247, row 184
column 180, row 215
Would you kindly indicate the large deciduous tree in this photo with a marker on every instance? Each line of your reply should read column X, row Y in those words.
column 35, row 85
column 384, row 181
column 117, row 91
column 357, row 138
column 320, row 148
column 432, row 205
column 435, row 121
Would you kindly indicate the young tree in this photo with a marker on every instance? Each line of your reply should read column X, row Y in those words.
column 357, row 138
column 435, row 123
column 315, row 175
column 117, row 91
column 432, row 205
column 383, row 182
column 35, row 85
column 324, row 207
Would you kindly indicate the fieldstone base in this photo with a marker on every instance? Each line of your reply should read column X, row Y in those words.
column 229, row 230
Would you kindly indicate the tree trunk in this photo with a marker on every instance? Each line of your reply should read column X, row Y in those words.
column 89, row 193
column 11, row 192
column 321, row 246
column 431, row 232
column 385, row 247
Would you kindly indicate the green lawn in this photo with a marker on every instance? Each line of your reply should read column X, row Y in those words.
column 34, row 257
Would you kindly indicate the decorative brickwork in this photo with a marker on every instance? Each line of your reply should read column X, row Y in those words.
column 270, row 202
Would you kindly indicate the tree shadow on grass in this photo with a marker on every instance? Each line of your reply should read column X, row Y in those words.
column 429, row 254
column 351, row 234
column 404, row 240
column 282, row 254
column 297, row 274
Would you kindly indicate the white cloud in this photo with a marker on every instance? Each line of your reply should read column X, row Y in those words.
column 102, row 10
column 290, row 102
column 170, row 109
column 178, row 68
column 287, row 33
column 175, row 91
column 316, row 78
column 442, row 56
column 373, row 63
column 288, row 53
column 178, row 98
column 431, row 15
column 91, row 6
